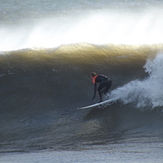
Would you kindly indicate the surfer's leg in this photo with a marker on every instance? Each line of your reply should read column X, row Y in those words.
column 108, row 85
column 100, row 90
column 99, row 93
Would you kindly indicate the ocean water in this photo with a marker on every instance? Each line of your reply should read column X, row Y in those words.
column 48, row 48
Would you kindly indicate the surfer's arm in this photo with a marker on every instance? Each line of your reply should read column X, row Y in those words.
column 94, row 92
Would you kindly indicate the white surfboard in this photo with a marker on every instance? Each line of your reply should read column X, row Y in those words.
column 101, row 104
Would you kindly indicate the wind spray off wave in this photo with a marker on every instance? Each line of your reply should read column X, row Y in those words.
column 147, row 92
column 96, row 27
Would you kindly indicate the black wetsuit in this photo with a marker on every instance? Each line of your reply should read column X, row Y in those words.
column 104, row 85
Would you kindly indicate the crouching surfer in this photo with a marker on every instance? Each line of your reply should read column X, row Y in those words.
column 104, row 84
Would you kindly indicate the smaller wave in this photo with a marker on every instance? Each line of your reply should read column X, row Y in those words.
column 147, row 92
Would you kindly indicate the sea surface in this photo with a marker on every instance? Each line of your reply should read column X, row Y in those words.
column 48, row 48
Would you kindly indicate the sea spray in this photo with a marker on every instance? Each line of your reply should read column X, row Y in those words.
column 147, row 92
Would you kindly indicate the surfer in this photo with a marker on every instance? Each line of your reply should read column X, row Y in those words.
column 104, row 84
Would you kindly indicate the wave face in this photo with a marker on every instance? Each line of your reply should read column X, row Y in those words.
column 41, row 90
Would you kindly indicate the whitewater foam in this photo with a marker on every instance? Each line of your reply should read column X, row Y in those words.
column 147, row 92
